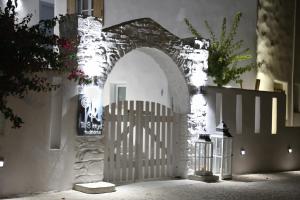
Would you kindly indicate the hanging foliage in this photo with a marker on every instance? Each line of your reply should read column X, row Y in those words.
column 27, row 52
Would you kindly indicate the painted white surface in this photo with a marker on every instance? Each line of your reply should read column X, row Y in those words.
column 265, row 151
column 30, row 165
column 143, row 77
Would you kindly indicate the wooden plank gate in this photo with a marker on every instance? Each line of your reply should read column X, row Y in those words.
column 139, row 141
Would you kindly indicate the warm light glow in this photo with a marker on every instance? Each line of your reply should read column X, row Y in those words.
column 274, row 115
column 266, row 81
column 1, row 162
column 243, row 152
column 290, row 150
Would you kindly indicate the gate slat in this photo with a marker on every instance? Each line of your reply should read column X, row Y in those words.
column 169, row 144
column 139, row 143
column 118, row 142
column 163, row 141
column 112, row 142
column 131, row 129
column 152, row 139
column 157, row 141
column 146, row 126
column 125, row 138
column 106, row 132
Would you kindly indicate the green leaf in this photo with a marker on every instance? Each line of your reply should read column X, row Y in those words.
column 226, row 54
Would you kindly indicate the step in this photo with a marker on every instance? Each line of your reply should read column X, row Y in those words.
column 95, row 188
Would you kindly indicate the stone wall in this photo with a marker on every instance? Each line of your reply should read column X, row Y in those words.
column 89, row 159
column 98, row 52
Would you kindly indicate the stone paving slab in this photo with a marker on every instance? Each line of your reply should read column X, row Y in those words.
column 279, row 186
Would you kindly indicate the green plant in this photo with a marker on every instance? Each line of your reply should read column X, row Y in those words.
column 225, row 53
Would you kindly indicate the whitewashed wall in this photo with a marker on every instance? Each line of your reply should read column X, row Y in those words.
column 253, row 130
column 30, row 165
column 143, row 77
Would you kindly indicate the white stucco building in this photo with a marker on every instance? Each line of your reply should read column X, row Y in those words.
column 142, row 51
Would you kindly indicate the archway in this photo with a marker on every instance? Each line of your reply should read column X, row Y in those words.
column 140, row 95
column 99, row 51
column 148, row 75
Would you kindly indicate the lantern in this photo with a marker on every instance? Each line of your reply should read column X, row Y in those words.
column 203, row 160
column 222, row 151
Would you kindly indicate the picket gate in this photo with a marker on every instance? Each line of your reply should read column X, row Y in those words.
column 138, row 141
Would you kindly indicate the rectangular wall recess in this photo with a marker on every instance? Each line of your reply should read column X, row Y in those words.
column 257, row 115
column 239, row 114
column 55, row 115
column 219, row 115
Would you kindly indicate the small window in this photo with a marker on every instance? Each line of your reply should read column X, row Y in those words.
column 86, row 7
column 120, row 93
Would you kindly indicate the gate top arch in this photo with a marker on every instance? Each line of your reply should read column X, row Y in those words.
column 103, row 47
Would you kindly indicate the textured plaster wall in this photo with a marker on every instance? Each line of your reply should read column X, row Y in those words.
column 275, row 28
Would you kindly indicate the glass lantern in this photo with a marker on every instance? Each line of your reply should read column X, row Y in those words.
column 222, row 152
column 203, row 156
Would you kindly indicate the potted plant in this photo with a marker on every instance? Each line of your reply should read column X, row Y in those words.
column 225, row 53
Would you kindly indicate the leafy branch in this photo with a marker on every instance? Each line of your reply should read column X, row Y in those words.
column 225, row 53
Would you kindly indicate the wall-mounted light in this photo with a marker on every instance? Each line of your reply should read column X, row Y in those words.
column 290, row 150
column 243, row 151
column 1, row 162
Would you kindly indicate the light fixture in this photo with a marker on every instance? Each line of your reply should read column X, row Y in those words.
column 1, row 162
column 243, row 151
column 290, row 150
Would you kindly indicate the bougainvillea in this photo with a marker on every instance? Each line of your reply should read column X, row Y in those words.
column 27, row 53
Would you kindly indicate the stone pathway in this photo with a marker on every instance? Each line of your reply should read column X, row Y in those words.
column 279, row 186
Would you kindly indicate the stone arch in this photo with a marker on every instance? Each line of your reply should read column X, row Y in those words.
column 112, row 43
column 100, row 48
column 140, row 33
column 177, row 86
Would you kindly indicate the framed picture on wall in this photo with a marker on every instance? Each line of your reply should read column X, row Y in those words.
column 90, row 111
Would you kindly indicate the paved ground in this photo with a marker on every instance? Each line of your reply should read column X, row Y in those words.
column 280, row 186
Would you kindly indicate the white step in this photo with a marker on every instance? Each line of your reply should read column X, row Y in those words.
column 95, row 188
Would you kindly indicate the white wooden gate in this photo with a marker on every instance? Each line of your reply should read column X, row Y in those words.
column 139, row 141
